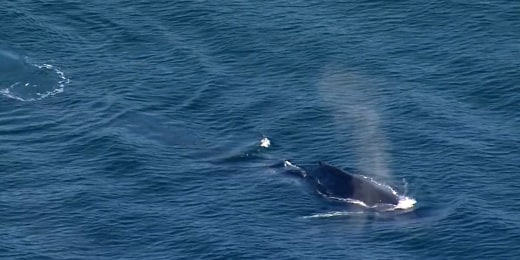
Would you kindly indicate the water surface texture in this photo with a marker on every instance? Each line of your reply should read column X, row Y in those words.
column 137, row 129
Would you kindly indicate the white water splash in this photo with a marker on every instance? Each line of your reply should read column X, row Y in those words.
column 405, row 203
column 287, row 163
column 265, row 142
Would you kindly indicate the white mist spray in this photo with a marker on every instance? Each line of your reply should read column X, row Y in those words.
column 354, row 103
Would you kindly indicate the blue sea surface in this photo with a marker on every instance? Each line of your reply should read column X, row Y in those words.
column 133, row 129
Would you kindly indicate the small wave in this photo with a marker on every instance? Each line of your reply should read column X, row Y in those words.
column 35, row 82
column 334, row 214
column 347, row 200
column 403, row 203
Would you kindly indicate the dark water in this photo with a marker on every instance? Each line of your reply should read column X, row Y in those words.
column 131, row 129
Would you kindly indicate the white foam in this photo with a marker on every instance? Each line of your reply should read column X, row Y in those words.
column 288, row 164
column 405, row 202
column 8, row 94
column 265, row 142
column 57, row 89
column 334, row 214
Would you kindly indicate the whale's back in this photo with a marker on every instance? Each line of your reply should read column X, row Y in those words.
column 334, row 182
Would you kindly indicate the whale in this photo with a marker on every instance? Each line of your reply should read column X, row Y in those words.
column 334, row 183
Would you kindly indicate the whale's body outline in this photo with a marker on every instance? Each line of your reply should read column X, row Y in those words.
column 334, row 183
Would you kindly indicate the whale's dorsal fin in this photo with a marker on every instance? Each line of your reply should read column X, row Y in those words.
column 322, row 163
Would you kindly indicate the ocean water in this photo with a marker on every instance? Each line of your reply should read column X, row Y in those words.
column 133, row 129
